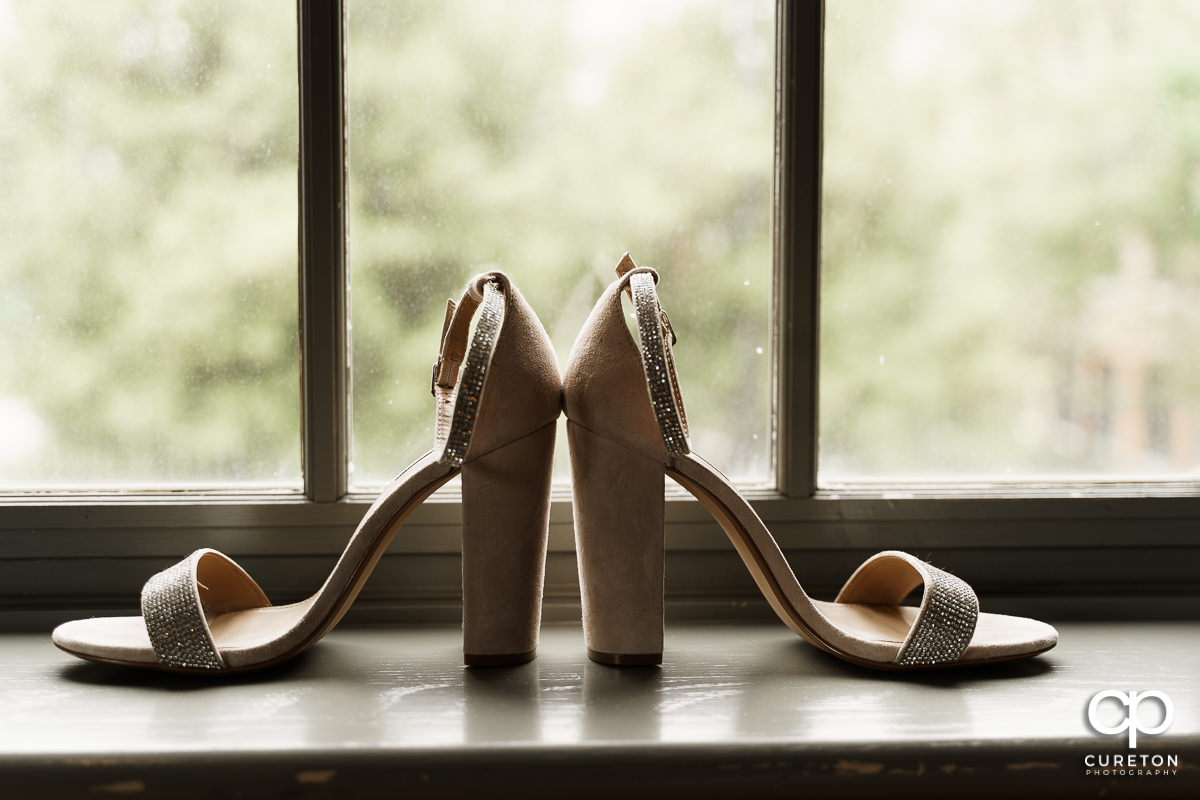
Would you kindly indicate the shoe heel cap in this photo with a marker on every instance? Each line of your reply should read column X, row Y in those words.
column 498, row 659
column 625, row 659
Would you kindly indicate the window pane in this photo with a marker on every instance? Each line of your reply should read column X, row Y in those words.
column 148, row 243
column 545, row 138
column 1011, row 255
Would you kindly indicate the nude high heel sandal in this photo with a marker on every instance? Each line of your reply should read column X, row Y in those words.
column 496, row 420
column 626, row 428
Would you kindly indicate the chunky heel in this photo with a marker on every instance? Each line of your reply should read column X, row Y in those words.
column 506, row 513
column 619, row 542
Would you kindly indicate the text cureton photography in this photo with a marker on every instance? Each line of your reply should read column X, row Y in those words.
column 1122, row 714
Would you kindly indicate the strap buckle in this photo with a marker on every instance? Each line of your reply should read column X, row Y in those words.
column 437, row 367
column 666, row 325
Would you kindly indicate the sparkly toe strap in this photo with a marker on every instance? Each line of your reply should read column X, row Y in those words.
column 174, row 603
column 949, row 608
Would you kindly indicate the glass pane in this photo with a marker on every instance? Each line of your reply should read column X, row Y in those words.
column 148, row 243
column 1011, row 255
column 546, row 138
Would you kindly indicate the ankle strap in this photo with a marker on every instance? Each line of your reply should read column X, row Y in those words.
column 457, row 323
column 657, row 337
column 458, row 396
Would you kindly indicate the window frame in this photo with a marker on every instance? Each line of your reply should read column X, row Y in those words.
column 1110, row 549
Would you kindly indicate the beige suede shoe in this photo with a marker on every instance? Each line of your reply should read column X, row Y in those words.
column 495, row 424
column 626, row 428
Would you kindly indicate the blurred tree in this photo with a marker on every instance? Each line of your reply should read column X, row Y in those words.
column 522, row 137
column 985, row 166
column 148, row 222
column 150, row 209
column 1010, row 249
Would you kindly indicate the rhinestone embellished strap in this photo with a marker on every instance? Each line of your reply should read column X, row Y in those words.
column 470, row 384
column 175, row 619
column 656, row 360
column 949, row 608
column 945, row 623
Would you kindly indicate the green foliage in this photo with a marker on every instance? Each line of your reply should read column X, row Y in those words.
column 473, row 146
column 989, row 169
column 149, row 217
column 148, row 223
column 994, row 175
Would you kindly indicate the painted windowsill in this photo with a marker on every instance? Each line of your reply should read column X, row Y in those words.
column 739, row 710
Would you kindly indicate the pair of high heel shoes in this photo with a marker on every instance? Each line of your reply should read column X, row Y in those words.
column 498, row 394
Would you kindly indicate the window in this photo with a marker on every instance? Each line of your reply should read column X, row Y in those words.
column 148, row 222
column 1011, row 261
column 547, row 139
column 415, row 172
column 521, row 137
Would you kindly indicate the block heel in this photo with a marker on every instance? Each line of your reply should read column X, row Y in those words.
column 506, row 513
column 618, row 504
